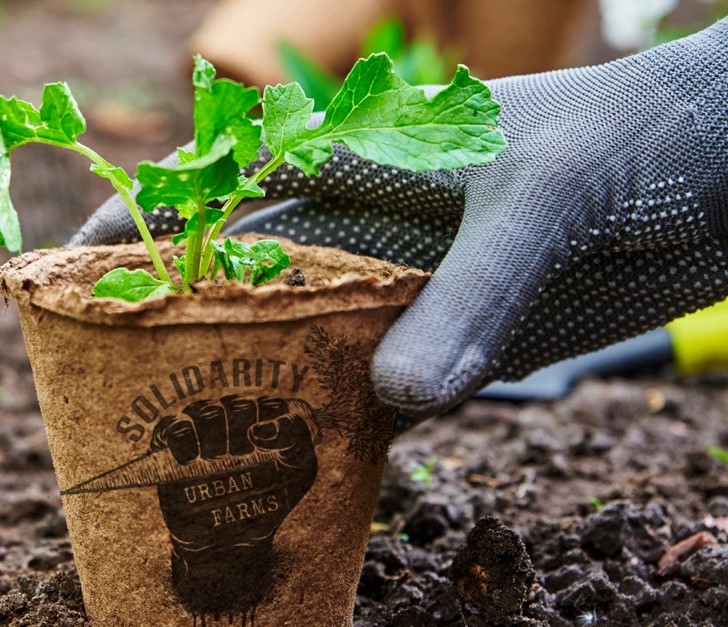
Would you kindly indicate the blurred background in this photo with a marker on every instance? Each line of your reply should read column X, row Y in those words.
column 128, row 63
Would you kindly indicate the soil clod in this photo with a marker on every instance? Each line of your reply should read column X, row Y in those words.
column 295, row 278
column 493, row 573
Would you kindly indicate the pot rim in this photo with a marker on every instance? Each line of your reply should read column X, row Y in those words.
column 59, row 280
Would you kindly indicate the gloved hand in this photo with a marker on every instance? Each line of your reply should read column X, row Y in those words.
column 605, row 217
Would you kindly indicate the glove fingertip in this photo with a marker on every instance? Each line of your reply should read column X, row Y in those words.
column 422, row 385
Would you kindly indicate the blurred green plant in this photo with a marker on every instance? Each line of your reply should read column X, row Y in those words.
column 597, row 503
column 47, row 243
column 423, row 473
column 317, row 81
column 91, row 5
column 381, row 527
column 667, row 30
column 418, row 62
column 716, row 452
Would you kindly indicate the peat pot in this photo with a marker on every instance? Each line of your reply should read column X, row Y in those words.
column 219, row 453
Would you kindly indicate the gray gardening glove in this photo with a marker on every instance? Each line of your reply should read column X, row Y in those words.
column 606, row 216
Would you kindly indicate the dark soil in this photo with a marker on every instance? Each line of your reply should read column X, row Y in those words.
column 548, row 513
column 534, row 472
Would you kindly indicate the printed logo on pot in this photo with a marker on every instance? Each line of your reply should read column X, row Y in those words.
column 230, row 467
column 238, row 373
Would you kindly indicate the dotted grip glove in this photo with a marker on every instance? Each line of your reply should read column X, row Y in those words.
column 606, row 216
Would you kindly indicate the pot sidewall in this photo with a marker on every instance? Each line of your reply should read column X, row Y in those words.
column 104, row 391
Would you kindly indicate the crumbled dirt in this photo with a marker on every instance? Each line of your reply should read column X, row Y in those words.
column 295, row 278
column 638, row 446
column 587, row 493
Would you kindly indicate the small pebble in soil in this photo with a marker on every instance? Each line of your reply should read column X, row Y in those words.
column 296, row 278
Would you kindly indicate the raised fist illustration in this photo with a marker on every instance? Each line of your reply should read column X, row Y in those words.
column 243, row 465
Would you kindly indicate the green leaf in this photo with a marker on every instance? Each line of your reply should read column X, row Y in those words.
column 248, row 188
column 131, row 285
column 286, row 111
column 221, row 107
column 192, row 225
column 203, row 73
column 113, row 173
column 231, row 267
column 59, row 111
column 19, row 121
column 199, row 181
column 270, row 259
column 10, row 235
column 315, row 80
column 423, row 473
column 265, row 258
column 180, row 263
column 58, row 122
column 186, row 209
column 382, row 118
column 185, row 156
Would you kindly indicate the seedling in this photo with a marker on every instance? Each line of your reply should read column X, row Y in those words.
column 375, row 114
column 716, row 452
column 423, row 473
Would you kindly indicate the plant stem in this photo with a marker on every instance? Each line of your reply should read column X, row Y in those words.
column 227, row 209
column 230, row 204
column 268, row 168
column 194, row 247
column 190, row 270
column 131, row 205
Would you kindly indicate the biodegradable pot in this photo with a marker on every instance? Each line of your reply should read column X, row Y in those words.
column 219, row 453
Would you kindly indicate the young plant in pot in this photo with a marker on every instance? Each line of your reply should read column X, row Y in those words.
column 215, row 436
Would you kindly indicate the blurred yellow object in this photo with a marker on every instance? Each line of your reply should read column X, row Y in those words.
column 700, row 339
